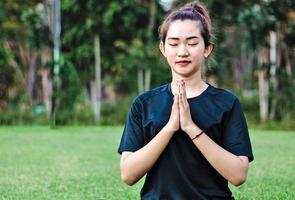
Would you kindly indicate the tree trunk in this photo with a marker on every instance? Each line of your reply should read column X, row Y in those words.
column 95, row 86
column 28, row 58
column 263, row 94
column 273, row 73
column 8, row 47
column 263, row 83
column 31, row 76
column 140, row 86
column 56, row 84
column 236, row 62
column 147, row 79
column 93, row 94
column 284, row 59
column 4, row 98
column 46, row 81
column 151, row 26
column 47, row 90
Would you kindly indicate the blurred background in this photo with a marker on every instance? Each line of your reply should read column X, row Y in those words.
column 77, row 62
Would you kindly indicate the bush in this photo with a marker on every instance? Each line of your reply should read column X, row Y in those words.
column 115, row 113
column 18, row 116
column 250, row 107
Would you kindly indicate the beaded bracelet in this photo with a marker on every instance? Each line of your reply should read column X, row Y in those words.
column 198, row 135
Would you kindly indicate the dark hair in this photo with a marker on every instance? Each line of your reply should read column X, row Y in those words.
column 192, row 11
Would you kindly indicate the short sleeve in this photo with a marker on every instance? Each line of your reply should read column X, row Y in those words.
column 235, row 136
column 132, row 138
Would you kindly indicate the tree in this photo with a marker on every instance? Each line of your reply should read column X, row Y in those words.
column 111, row 23
column 25, row 36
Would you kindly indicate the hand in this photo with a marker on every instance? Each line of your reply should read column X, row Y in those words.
column 174, row 121
column 186, row 122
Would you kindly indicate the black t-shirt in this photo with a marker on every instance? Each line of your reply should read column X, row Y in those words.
column 182, row 172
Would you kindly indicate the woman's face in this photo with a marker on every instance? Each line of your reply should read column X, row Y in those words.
column 184, row 48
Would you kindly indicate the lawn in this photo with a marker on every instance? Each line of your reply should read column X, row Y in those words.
column 82, row 163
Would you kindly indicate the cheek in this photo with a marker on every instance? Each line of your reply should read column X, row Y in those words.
column 169, row 54
column 198, row 52
column 166, row 51
column 170, row 61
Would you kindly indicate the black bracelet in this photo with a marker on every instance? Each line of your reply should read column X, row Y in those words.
column 198, row 135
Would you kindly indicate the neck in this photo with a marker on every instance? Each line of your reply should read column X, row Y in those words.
column 194, row 84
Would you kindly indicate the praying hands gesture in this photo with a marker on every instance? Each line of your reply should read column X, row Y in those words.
column 180, row 117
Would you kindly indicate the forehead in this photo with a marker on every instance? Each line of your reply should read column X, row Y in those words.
column 183, row 29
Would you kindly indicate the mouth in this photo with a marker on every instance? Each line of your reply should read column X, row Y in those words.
column 183, row 62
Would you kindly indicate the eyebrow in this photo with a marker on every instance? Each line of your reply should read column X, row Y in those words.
column 188, row 38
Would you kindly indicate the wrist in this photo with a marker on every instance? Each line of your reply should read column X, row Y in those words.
column 169, row 128
column 192, row 130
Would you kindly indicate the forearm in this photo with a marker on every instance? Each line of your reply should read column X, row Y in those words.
column 231, row 167
column 136, row 164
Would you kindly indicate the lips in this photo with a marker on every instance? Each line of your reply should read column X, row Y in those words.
column 183, row 62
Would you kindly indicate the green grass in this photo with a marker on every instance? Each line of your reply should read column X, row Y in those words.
column 82, row 163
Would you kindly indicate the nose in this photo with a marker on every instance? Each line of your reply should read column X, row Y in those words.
column 182, row 51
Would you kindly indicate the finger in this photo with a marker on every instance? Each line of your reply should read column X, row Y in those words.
column 184, row 90
column 176, row 95
column 184, row 100
column 178, row 87
column 175, row 99
column 177, row 102
column 181, row 99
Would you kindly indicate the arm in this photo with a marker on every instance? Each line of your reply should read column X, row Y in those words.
column 231, row 167
column 134, row 165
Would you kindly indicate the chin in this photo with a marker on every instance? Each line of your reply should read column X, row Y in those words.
column 185, row 73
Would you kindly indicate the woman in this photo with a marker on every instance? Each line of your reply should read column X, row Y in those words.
column 188, row 137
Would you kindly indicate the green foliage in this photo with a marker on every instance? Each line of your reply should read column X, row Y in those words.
column 71, row 85
column 38, row 33
column 115, row 113
column 22, row 116
column 250, row 107
column 240, row 29
column 286, row 98
column 5, row 56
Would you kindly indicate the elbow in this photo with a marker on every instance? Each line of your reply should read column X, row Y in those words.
column 128, row 179
column 126, row 174
column 238, row 180
column 240, row 176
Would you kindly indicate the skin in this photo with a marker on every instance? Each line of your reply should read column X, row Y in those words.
column 185, row 52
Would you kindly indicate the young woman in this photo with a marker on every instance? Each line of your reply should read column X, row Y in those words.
column 188, row 137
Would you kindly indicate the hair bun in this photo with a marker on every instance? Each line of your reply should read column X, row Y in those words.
column 201, row 9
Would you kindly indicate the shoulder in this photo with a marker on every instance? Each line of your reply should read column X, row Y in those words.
column 223, row 97
column 151, row 94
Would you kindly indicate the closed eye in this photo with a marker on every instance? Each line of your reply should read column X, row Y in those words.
column 173, row 44
column 193, row 44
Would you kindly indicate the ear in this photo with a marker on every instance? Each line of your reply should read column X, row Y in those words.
column 208, row 50
column 162, row 48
